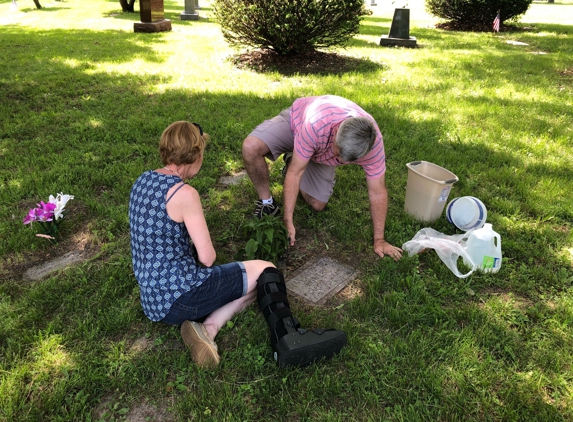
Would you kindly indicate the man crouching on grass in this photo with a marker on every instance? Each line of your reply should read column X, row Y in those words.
column 317, row 134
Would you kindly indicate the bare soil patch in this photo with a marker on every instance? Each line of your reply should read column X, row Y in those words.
column 15, row 266
column 137, row 412
column 506, row 296
column 303, row 63
column 312, row 244
column 473, row 27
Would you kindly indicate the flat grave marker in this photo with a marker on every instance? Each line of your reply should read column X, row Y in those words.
column 320, row 279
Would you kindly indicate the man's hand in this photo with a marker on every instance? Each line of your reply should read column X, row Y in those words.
column 290, row 193
column 378, row 207
column 382, row 248
column 291, row 233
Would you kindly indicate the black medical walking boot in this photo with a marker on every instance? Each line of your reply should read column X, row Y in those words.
column 292, row 345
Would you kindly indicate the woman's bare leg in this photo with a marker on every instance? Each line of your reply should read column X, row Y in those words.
column 218, row 318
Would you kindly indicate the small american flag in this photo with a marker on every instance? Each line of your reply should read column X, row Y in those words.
column 496, row 22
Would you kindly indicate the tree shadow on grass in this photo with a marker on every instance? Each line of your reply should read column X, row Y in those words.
column 43, row 9
column 313, row 62
column 172, row 10
column 174, row 16
column 120, row 15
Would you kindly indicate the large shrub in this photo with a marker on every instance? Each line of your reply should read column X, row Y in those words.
column 476, row 13
column 289, row 26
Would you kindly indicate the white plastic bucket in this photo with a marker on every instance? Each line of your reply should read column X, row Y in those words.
column 466, row 213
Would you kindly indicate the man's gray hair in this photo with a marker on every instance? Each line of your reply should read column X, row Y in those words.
column 355, row 138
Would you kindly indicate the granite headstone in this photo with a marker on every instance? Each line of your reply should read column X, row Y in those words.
column 399, row 34
column 151, row 13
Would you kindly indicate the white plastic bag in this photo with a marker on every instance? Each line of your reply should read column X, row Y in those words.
column 448, row 248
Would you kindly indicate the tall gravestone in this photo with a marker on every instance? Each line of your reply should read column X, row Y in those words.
column 190, row 14
column 152, row 17
column 399, row 34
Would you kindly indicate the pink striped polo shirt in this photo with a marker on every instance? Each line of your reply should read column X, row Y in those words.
column 313, row 120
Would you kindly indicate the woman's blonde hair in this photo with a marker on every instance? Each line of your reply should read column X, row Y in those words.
column 182, row 143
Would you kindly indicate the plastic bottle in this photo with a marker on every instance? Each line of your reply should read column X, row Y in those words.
column 484, row 248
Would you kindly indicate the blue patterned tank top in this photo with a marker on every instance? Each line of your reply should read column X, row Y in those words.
column 160, row 247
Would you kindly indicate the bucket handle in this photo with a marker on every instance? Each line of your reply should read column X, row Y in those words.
column 415, row 163
column 447, row 182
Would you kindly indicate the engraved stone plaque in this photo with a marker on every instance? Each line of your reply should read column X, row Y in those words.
column 320, row 279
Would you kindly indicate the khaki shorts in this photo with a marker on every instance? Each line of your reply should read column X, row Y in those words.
column 318, row 179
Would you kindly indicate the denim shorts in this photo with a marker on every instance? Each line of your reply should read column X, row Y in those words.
column 225, row 284
column 318, row 179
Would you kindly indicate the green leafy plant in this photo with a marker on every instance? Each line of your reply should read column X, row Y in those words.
column 178, row 384
column 267, row 239
column 289, row 26
column 477, row 14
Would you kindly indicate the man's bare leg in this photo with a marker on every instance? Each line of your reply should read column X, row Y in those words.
column 313, row 202
column 254, row 151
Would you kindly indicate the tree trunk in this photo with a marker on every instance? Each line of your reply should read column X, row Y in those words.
column 550, row 1
column 37, row 3
column 127, row 6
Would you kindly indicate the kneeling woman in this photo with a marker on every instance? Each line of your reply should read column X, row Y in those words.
column 166, row 221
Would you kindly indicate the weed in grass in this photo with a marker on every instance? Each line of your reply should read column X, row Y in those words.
column 178, row 384
column 267, row 239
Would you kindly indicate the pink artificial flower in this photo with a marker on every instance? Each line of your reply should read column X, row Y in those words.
column 31, row 217
column 48, row 212
column 45, row 211
column 47, row 206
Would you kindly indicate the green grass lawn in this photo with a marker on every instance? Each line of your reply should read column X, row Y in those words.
column 83, row 101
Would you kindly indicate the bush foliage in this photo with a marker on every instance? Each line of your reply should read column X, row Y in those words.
column 477, row 13
column 289, row 26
